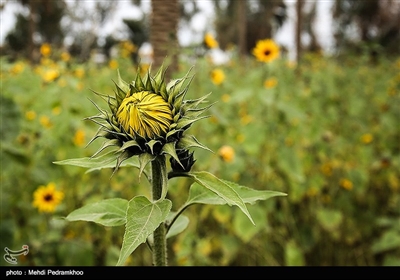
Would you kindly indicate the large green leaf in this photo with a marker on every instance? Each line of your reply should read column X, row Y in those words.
column 390, row 240
column 143, row 217
column 198, row 194
column 108, row 160
column 222, row 189
column 178, row 226
column 109, row 212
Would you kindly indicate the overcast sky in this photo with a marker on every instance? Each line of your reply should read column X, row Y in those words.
column 200, row 23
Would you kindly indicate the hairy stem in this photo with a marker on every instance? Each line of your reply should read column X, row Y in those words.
column 160, row 184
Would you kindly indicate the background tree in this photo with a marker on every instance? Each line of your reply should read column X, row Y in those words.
column 372, row 23
column 43, row 22
column 84, row 23
column 299, row 28
column 138, row 34
column 163, row 34
column 263, row 18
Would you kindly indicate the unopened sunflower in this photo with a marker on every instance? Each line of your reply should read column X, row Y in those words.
column 149, row 118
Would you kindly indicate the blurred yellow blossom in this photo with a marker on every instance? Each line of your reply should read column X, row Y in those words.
column 44, row 61
column 346, row 184
column 217, row 76
column 47, row 198
column 313, row 191
column 246, row 119
column 50, row 75
column 79, row 138
column 210, row 41
column 65, row 56
column 144, row 68
column 45, row 122
column 45, row 49
column 127, row 48
column 17, row 68
column 113, row 64
column 271, row 82
column 30, row 115
column 79, row 73
column 367, row 138
column 227, row 153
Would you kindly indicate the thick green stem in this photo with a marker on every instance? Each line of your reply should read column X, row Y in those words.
column 160, row 185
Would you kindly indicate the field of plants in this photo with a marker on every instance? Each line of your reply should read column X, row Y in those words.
column 325, row 131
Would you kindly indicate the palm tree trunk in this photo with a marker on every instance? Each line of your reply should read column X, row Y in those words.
column 163, row 34
column 299, row 28
column 242, row 27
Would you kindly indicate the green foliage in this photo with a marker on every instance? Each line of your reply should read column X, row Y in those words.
column 324, row 121
column 108, row 212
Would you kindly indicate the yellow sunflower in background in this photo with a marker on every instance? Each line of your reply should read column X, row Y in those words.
column 266, row 50
column 210, row 41
column 46, row 198
column 45, row 49
column 226, row 153
column 217, row 76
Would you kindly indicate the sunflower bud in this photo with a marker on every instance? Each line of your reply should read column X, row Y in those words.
column 148, row 118
column 146, row 113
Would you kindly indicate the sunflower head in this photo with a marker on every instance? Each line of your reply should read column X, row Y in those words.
column 149, row 117
column 46, row 198
column 266, row 50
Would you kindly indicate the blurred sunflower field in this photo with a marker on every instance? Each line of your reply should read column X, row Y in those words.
column 324, row 131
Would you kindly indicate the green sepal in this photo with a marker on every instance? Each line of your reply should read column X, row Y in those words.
column 188, row 141
column 107, row 144
column 144, row 160
column 128, row 144
column 122, row 157
column 124, row 86
column 169, row 148
column 191, row 104
column 151, row 144
column 184, row 122
column 139, row 86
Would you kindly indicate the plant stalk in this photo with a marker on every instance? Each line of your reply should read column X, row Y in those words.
column 160, row 185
